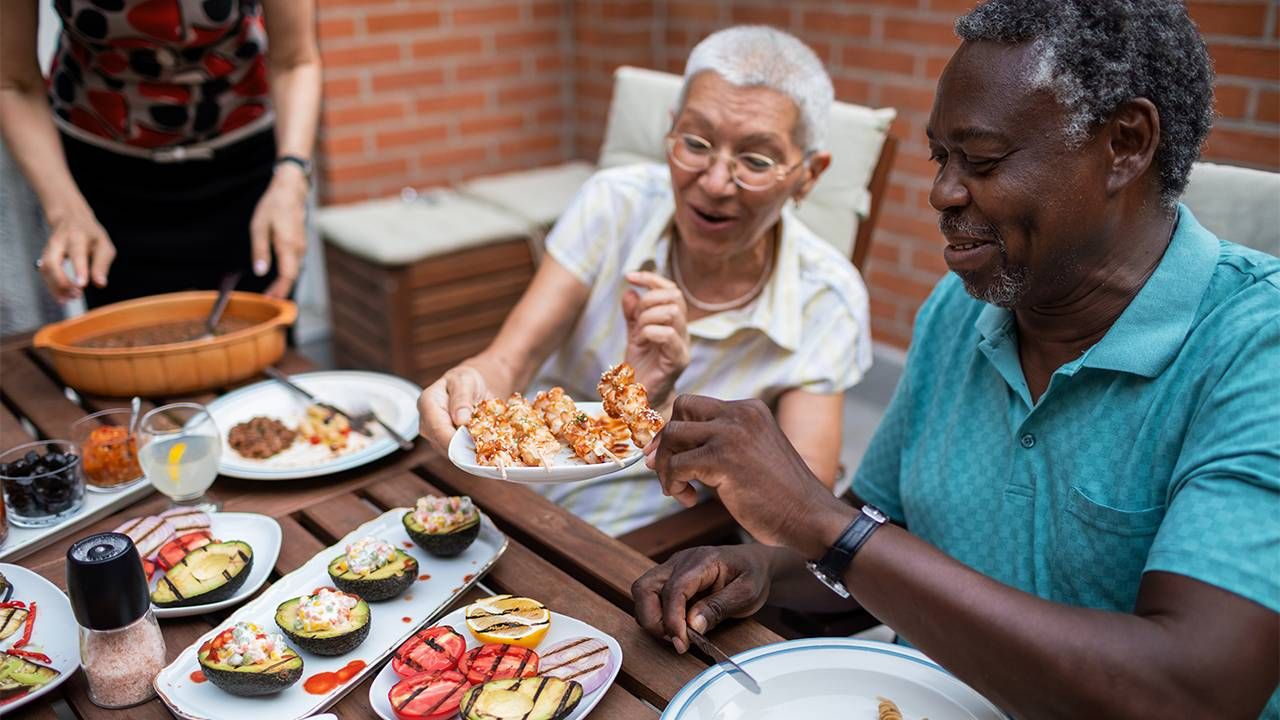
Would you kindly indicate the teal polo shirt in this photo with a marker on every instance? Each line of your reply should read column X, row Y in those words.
column 1157, row 449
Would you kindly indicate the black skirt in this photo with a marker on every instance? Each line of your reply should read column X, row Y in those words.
column 176, row 226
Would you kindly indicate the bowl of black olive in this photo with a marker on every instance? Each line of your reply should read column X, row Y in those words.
column 43, row 482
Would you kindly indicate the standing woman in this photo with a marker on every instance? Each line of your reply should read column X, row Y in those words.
column 171, row 143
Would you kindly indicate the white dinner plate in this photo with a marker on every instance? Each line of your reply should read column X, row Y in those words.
column 394, row 399
column 562, row 628
column 261, row 532
column 564, row 467
column 829, row 677
column 441, row 583
column 55, row 631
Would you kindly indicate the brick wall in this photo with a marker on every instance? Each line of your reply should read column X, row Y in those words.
column 402, row 93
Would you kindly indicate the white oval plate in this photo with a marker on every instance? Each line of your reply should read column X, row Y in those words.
column 392, row 622
column 54, row 633
column 263, row 535
column 562, row 627
column 829, row 677
column 394, row 399
column 565, row 467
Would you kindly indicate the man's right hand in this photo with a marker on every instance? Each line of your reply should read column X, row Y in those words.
column 448, row 403
column 701, row 586
column 77, row 236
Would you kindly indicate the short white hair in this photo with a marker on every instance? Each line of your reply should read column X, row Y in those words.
column 761, row 56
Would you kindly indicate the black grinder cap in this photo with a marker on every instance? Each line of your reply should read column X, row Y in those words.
column 105, row 581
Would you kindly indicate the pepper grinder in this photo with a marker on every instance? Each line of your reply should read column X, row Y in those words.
column 121, row 648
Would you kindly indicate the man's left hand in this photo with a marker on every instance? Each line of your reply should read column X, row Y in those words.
column 278, row 224
column 738, row 449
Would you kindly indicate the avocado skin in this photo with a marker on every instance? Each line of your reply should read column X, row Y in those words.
column 248, row 683
column 377, row 588
column 219, row 593
column 450, row 544
column 332, row 645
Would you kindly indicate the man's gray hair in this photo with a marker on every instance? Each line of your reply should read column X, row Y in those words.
column 1097, row 54
column 761, row 56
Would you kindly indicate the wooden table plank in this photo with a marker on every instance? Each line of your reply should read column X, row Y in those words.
column 41, row 709
column 655, row 671
column 36, row 396
column 12, row 433
column 601, row 562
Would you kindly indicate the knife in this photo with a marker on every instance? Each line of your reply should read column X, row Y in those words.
column 733, row 669
column 288, row 382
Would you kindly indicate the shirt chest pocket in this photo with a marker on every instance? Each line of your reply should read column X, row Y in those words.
column 1099, row 551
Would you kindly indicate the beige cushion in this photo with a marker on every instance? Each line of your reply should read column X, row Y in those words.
column 1238, row 204
column 640, row 117
column 398, row 232
column 538, row 196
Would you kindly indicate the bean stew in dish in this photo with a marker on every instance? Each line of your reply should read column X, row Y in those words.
column 163, row 334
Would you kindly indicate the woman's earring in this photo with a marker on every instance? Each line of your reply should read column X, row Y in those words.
column 797, row 200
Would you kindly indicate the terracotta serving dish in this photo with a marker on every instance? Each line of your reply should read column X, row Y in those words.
column 174, row 368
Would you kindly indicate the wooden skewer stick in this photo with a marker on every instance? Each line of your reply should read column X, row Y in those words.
column 546, row 465
column 612, row 457
column 502, row 469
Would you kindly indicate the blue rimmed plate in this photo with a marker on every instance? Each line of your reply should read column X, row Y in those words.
column 829, row 677
column 394, row 399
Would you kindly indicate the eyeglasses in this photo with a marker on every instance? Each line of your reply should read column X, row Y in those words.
column 749, row 170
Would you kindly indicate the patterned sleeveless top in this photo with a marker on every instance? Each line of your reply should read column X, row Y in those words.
column 159, row 73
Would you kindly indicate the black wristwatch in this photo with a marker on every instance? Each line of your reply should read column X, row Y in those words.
column 303, row 163
column 830, row 569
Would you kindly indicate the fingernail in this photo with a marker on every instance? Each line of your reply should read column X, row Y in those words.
column 681, row 646
column 464, row 416
column 698, row 623
column 260, row 267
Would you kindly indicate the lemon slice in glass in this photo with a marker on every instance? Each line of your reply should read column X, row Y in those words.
column 517, row 621
column 175, row 456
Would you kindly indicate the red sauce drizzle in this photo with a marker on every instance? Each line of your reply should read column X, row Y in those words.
column 467, row 577
column 406, row 618
column 455, row 590
column 424, row 577
column 408, row 544
column 198, row 677
column 409, row 597
column 324, row 682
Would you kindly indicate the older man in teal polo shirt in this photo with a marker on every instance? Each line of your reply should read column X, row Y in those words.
column 1082, row 459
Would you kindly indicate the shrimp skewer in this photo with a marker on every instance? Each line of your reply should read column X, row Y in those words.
column 627, row 400
column 588, row 437
column 494, row 438
column 536, row 443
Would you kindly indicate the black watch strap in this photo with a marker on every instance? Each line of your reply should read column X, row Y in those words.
column 302, row 163
column 830, row 569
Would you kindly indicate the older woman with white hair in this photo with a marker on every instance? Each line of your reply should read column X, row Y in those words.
column 696, row 273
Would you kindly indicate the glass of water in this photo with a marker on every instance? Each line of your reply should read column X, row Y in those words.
column 178, row 447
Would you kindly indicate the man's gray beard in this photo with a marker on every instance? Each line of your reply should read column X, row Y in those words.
column 1005, row 290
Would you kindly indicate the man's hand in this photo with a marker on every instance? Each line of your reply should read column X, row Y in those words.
column 700, row 587
column 657, row 334
column 738, row 449
column 278, row 224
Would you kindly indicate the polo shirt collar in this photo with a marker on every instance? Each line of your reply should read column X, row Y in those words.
column 1149, row 334
column 778, row 311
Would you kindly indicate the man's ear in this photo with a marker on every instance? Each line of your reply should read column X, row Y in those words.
column 817, row 165
column 1132, row 136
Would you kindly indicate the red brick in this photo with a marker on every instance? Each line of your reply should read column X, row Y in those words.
column 842, row 24
column 482, row 71
column 922, row 32
column 1268, row 106
column 546, row 10
column 692, row 10
column 1255, row 149
column 897, row 334
column 360, row 55
column 407, row 80
column 852, row 90
column 912, row 223
column 529, row 93
column 1231, row 101
column 907, row 98
column 334, row 145
column 883, row 309
column 337, row 88
column 935, row 64
column 416, row 135
column 929, row 261
column 777, row 16
column 509, row 41
column 450, row 103
column 491, row 124
column 549, row 116
column 338, row 173
column 335, row 4
column 498, row 13
column 1241, row 19
column 450, row 46
column 885, row 253
column 627, row 9
column 452, row 156
column 957, row 7
column 335, row 28
column 891, row 281
column 1245, row 61
column 548, row 64
column 881, row 59
column 398, row 22
column 530, row 144
column 361, row 114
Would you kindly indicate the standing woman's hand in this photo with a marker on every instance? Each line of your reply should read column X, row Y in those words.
column 279, row 224
column 76, row 235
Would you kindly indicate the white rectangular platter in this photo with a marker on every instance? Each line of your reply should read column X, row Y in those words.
column 97, row 505
column 424, row 601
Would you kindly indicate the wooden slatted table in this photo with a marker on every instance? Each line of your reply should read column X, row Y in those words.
column 553, row 556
